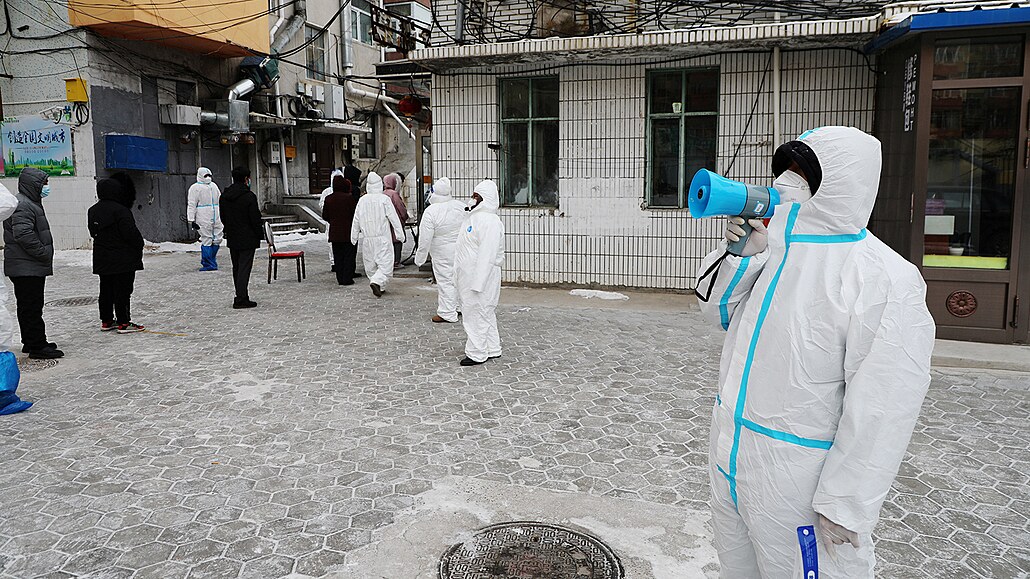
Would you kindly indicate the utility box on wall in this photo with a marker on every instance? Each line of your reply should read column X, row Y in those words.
column 136, row 153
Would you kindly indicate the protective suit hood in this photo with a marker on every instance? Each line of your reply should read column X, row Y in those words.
column 374, row 183
column 30, row 183
column 441, row 191
column 201, row 172
column 491, row 201
column 850, row 161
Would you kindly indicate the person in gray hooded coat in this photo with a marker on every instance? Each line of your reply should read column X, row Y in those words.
column 29, row 260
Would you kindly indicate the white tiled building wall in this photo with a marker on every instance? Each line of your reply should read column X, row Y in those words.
column 602, row 233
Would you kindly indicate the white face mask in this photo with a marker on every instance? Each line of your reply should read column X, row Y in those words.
column 206, row 180
column 472, row 204
column 792, row 187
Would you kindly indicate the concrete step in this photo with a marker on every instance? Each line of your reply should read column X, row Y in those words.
column 288, row 224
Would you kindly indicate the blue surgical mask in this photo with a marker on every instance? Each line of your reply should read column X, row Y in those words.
column 45, row 191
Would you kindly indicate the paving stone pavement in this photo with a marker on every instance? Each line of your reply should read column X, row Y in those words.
column 266, row 442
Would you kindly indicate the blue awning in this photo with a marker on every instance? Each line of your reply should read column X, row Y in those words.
column 975, row 18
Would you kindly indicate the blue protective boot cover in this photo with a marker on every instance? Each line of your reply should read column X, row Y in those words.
column 9, row 378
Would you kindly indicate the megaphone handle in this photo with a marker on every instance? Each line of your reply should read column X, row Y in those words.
column 737, row 247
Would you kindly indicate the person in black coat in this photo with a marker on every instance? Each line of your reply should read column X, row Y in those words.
column 117, row 252
column 244, row 230
column 339, row 212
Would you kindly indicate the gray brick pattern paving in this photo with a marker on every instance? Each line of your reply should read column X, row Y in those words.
column 273, row 441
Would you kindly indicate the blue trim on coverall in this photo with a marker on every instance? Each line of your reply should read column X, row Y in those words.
column 724, row 314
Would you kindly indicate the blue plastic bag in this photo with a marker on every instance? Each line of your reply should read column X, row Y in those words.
column 10, row 375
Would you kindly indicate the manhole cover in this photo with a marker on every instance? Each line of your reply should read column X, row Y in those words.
column 28, row 365
column 70, row 302
column 526, row 550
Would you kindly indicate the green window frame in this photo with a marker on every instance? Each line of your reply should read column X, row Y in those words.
column 682, row 131
column 530, row 141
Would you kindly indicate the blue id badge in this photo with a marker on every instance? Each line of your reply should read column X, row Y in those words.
column 809, row 551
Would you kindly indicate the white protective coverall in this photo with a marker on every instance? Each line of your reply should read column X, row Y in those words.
column 824, row 367
column 8, row 204
column 202, row 208
column 321, row 202
column 477, row 274
column 438, row 235
column 373, row 219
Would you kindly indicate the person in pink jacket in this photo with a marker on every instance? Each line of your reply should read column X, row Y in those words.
column 391, row 183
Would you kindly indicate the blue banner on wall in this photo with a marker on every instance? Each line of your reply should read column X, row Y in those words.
column 36, row 142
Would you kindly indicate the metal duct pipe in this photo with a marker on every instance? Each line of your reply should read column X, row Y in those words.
column 296, row 22
column 242, row 89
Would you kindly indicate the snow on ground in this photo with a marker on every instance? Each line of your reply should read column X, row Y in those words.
column 588, row 294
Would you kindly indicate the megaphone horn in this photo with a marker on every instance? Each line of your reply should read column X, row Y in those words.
column 712, row 195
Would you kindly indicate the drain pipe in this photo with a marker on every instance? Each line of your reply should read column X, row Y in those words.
column 300, row 14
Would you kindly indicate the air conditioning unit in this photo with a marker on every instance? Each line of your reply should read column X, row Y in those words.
column 335, row 103
column 186, row 116
column 319, row 96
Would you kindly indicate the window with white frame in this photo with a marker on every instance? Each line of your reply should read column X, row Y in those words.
column 361, row 21
column 529, row 141
column 683, row 130
column 315, row 52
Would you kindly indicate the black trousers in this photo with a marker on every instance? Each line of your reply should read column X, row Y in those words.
column 242, row 265
column 28, row 291
column 345, row 256
column 397, row 245
column 115, row 293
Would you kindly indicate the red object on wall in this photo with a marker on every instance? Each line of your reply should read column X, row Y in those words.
column 410, row 105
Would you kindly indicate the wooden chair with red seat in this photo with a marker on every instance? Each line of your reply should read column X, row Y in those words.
column 275, row 256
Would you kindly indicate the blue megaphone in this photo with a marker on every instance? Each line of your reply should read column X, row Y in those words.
column 712, row 195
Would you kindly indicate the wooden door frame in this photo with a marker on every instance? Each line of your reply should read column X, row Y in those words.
column 1018, row 275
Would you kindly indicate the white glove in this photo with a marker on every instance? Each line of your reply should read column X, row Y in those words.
column 756, row 243
column 836, row 533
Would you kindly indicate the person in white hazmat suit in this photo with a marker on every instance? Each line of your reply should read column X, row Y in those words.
column 202, row 213
column 321, row 207
column 438, row 235
column 477, row 274
column 376, row 223
column 10, row 375
column 824, row 368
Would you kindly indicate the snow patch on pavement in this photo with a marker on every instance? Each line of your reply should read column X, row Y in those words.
column 588, row 294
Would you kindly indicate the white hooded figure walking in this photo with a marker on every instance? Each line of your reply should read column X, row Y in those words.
column 202, row 213
column 824, row 368
column 375, row 223
column 438, row 235
column 477, row 274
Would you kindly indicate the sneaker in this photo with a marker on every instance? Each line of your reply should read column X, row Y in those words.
column 439, row 320
column 108, row 326
column 376, row 290
column 46, row 354
column 245, row 305
column 470, row 362
column 130, row 328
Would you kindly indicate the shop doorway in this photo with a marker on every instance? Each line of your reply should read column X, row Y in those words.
column 973, row 246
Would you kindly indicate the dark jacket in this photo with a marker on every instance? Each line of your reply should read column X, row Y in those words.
column 339, row 212
column 28, row 244
column 241, row 217
column 353, row 174
column 117, row 242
